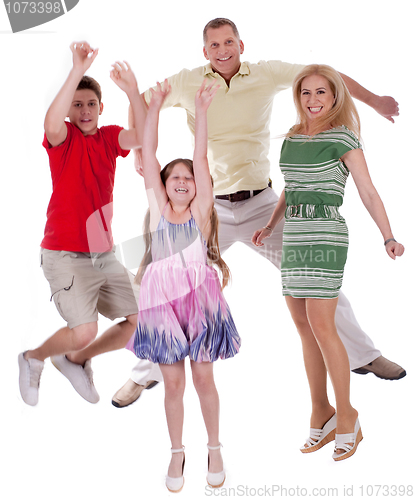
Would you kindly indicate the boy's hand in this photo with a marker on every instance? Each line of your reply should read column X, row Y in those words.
column 83, row 55
column 205, row 95
column 158, row 96
column 123, row 76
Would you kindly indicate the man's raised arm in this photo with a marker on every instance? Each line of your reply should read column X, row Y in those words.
column 386, row 106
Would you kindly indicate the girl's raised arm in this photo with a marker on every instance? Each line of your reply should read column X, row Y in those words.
column 156, row 191
column 356, row 163
column 204, row 190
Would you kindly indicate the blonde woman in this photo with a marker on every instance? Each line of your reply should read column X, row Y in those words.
column 316, row 158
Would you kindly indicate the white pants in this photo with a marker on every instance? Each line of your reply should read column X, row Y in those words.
column 238, row 222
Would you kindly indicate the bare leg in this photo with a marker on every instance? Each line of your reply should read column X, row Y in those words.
column 320, row 313
column 315, row 367
column 209, row 402
column 64, row 341
column 116, row 337
column 174, row 385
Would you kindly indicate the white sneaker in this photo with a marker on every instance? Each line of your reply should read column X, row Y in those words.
column 79, row 376
column 29, row 378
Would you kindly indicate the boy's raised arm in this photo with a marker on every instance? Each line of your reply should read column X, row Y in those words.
column 124, row 77
column 55, row 128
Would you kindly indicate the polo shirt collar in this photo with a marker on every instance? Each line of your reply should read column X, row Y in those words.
column 243, row 70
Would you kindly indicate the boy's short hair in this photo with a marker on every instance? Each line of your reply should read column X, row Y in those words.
column 89, row 83
column 217, row 23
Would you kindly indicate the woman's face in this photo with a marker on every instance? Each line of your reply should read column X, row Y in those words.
column 316, row 97
column 180, row 185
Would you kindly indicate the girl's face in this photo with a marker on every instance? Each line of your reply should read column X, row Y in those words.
column 317, row 99
column 180, row 185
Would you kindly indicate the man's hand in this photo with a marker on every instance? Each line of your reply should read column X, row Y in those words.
column 83, row 55
column 387, row 107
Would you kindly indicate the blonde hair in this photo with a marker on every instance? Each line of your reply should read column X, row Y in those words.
column 343, row 112
column 213, row 252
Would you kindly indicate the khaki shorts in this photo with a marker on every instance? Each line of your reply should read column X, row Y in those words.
column 82, row 287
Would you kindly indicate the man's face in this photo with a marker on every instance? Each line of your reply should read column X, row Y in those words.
column 84, row 111
column 223, row 49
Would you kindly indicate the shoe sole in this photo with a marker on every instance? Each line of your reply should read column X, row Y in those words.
column 363, row 371
column 117, row 405
column 359, row 438
column 330, row 437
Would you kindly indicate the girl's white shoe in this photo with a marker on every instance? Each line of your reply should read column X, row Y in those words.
column 343, row 440
column 215, row 479
column 319, row 437
column 175, row 484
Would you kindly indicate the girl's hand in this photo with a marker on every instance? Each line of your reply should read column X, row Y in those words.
column 83, row 55
column 205, row 95
column 259, row 235
column 159, row 95
column 394, row 249
column 123, row 76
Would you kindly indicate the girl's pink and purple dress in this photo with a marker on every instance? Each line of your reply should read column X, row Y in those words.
column 182, row 310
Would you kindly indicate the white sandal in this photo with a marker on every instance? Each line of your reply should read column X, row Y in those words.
column 319, row 437
column 175, row 484
column 343, row 440
column 215, row 479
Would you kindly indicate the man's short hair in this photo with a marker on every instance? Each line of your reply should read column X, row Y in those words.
column 217, row 23
column 89, row 83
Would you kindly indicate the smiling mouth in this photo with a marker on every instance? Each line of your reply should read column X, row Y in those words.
column 181, row 190
column 224, row 58
column 315, row 110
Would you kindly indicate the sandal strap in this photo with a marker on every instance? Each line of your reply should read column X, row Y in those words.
column 177, row 450
column 343, row 441
column 315, row 433
column 215, row 447
column 310, row 442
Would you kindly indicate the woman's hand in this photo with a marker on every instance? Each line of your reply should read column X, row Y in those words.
column 394, row 249
column 259, row 235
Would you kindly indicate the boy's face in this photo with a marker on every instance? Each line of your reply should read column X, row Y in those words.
column 85, row 110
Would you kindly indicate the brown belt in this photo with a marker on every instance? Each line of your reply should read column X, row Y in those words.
column 240, row 195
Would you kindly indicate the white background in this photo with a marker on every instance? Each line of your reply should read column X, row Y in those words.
column 67, row 448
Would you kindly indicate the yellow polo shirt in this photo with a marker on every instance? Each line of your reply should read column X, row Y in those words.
column 238, row 119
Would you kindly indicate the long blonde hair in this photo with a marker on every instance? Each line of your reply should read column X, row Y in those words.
column 213, row 253
column 343, row 112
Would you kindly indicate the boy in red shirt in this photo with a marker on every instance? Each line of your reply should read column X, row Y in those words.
column 77, row 249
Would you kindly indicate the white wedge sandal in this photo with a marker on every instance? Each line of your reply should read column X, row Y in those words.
column 348, row 443
column 175, row 484
column 215, row 479
column 319, row 437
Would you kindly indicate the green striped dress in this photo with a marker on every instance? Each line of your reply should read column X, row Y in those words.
column 315, row 237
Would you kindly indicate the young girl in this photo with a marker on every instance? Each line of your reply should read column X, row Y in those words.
column 182, row 310
column 316, row 158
